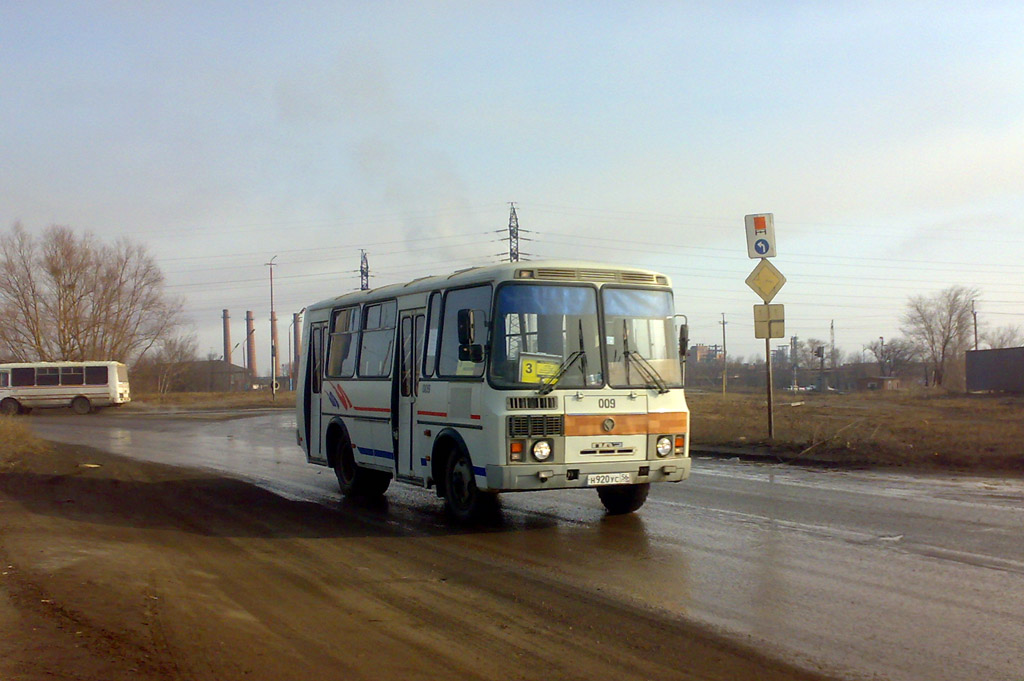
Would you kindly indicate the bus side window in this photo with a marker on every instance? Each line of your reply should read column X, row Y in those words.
column 5, row 379
column 344, row 338
column 47, row 376
column 96, row 375
column 433, row 321
column 23, row 377
column 378, row 340
column 477, row 298
column 72, row 376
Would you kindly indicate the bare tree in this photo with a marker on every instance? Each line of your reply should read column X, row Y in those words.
column 173, row 359
column 892, row 355
column 68, row 297
column 806, row 352
column 1003, row 337
column 942, row 326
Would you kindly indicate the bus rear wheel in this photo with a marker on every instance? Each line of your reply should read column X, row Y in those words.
column 620, row 499
column 10, row 407
column 354, row 481
column 81, row 405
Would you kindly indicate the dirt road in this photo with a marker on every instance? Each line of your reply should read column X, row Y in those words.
column 118, row 569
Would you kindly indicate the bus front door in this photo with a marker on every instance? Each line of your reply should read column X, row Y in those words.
column 313, row 388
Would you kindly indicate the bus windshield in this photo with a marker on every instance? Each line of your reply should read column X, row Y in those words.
column 546, row 335
column 640, row 339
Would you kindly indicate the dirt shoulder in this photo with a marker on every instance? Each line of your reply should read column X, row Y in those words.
column 115, row 569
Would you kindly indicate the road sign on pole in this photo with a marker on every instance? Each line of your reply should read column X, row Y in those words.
column 769, row 321
column 760, row 235
column 766, row 280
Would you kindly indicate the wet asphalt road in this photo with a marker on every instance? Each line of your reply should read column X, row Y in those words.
column 865, row 574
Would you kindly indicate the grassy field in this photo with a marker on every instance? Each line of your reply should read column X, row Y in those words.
column 918, row 429
column 17, row 441
column 255, row 399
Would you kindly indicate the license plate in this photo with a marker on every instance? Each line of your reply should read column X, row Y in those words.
column 609, row 479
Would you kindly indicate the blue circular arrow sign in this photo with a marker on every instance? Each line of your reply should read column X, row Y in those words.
column 761, row 246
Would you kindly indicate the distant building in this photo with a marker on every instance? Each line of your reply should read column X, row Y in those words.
column 878, row 383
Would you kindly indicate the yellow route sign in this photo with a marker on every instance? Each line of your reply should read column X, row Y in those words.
column 766, row 280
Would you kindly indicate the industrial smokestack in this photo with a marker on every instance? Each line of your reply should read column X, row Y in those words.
column 250, row 345
column 227, row 337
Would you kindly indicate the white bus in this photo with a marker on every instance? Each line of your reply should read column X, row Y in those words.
column 510, row 377
column 83, row 386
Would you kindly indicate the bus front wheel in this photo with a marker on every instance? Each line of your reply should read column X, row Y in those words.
column 81, row 405
column 353, row 480
column 10, row 407
column 620, row 499
column 463, row 500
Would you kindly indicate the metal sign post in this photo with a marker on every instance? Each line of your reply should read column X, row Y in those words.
column 765, row 280
column 769, row 322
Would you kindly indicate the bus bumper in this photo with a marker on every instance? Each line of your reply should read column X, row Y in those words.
column 520, row 477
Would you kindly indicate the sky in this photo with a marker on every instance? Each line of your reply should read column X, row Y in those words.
column 887, row 139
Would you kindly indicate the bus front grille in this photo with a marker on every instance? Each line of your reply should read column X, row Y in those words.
column 532, row 402
column 535, row 426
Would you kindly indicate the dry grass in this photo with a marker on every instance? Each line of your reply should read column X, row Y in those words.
column 17, row 442
column 252, row 399
column 981, row 432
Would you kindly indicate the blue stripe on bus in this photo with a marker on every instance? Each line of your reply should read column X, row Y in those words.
column 477, row 470
column 377, row 453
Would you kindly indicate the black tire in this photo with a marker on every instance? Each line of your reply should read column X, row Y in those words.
column 462, row 498
column 81, row 405
column 620, row 499
column 354, row 481
column 10, row 407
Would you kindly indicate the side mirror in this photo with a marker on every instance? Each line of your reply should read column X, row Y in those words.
column 469, row 350
column 471, row 353
column 684, row 339
column 467, row 327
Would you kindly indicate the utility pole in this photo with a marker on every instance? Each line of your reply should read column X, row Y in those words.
column 275, row 363
column 832, row 349
column 975, row 315
column 513, row 234
column 725, row 355
column 364, row 271
column 793, row 346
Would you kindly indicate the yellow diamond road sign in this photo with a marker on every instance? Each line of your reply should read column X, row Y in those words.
column 766, row 280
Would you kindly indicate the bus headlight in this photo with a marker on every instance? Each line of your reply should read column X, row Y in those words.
column 664, row 446
column 542, row 450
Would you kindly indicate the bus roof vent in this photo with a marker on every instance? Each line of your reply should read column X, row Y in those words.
column 591, row 274
column 641, row 278
column 599, row 275
column 561, row 273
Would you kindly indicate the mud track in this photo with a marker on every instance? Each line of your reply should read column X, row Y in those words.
column 115, row 569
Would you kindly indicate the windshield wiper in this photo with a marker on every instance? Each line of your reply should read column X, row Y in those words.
column 549, row 385
column 650, row 374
